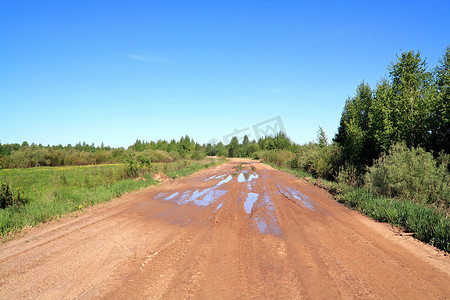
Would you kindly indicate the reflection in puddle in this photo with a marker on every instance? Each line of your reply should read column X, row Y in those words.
column 262, row 225
column 209, row 197
column 268, row 202
column 267, row 222
column 183, row 197
column 215, row 177
column 247, row 177
column 228, row 179
column 218, row 207
column 201, row 197
column 171, row 196
column 160, row 195
column 292, row 194
column 207, row 179
column 251, row 199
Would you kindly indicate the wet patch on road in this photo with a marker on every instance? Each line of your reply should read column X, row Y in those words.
column 251, row 199
column 265, row 217
column 218, row 207
column 160, row 195
column 172, row 196
column 294, row 195
column 245, row 177
column 254, row 198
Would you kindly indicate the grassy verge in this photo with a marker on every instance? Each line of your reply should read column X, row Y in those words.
column 51, row 192
column 426, row 223
column 188, row 170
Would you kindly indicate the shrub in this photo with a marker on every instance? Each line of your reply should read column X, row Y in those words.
column 159, row 156
column 281, row 158
column 198, row 155
column 349, row 175
column 7, row 197
column 411, row 174
column 132, row 169
column 325, row 163
column 320, row 161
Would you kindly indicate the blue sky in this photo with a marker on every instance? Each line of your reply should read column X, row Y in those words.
column 117, row 71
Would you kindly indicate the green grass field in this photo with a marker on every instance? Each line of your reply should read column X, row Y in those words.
column 51, row 192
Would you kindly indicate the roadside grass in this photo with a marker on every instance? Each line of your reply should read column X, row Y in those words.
column 51, row 192
column 426, row 223
column 195, row 167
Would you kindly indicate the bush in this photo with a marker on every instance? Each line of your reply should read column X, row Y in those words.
column 198, row 155
column 281, row 158
column 349, row 175
column 132, row 169
column 7, row 198
column 319, row 161
column 411, row 174
column 325, row 164
column 158, row 156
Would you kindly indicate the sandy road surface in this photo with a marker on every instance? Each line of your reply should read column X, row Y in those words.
column 228, row 232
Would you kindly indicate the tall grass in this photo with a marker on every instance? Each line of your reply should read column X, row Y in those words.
column 53, row 192
column 426, row 223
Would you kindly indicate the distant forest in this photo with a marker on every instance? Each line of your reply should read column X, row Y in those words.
column 411, row 107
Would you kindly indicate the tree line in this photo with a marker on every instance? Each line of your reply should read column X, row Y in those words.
column 411, row 106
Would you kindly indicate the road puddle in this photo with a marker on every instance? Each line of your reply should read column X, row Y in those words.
column 215, row 177
column 201, row 197
column 262, row 225
column 293, row 194
column 209, row 197
column 218, row 207
column 267, row 221
column 251, row 199
column 184, row 197
column 228, row 179
column 172, row 196
column 245, row 177
column 160, row 195
column 257, row 205
column 268, row 203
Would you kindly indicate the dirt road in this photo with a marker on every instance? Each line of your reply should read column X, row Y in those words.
column 230, row 232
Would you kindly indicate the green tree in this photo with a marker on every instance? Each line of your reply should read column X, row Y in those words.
column 353, row 132
column 322, row 138
column 233, row 147
column 221, row 149
column 381, row 118
column 245, row 141
column 281, row 141
column 411, row 84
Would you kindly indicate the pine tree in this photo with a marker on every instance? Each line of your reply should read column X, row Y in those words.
column 322, row 137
